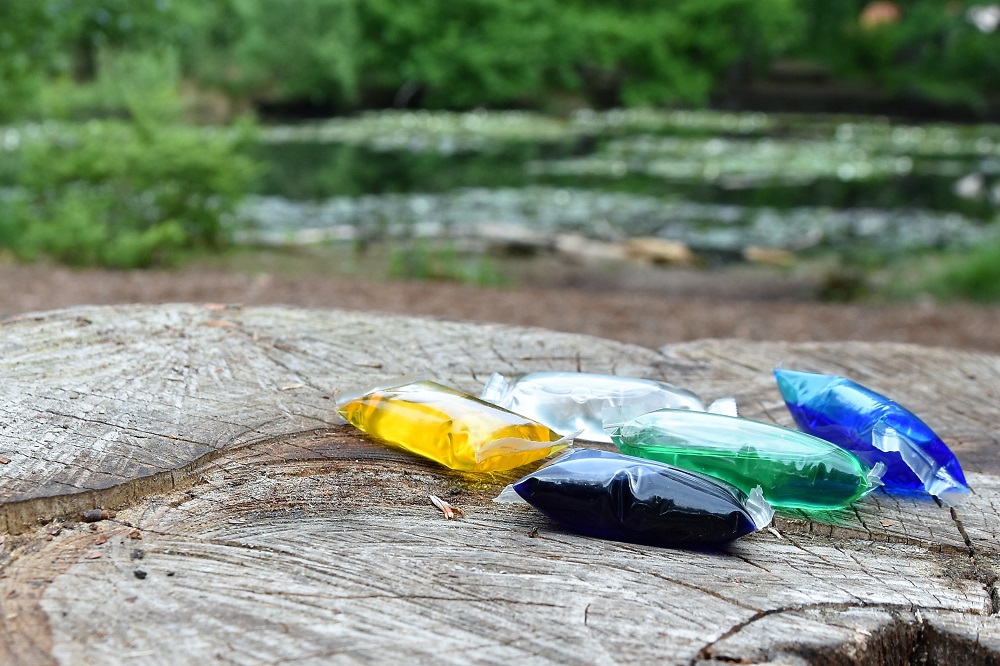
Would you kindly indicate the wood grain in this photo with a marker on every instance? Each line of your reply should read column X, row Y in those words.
column 101, row 406
column 266, row 531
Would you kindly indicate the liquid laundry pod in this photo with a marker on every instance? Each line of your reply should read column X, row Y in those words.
column 875, row 429
column 449, row 426
column 580, row 402
column 793, row 469
column 612, row 496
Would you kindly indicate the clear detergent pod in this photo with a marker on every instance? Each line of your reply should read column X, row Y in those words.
column 874, row 428
column 448, row 426
column 793, row 469
column 724, row 406
column 580, row 401
column 612, row 496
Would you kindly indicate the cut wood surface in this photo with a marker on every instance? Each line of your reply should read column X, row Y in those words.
column 253, row 526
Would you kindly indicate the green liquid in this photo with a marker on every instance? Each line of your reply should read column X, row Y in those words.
column 793, row 469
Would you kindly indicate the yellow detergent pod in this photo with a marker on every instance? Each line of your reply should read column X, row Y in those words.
column 449, row 426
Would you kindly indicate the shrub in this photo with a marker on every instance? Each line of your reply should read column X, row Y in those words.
column 127, row 83
column 464, row 54
column 973, row 275
column 932, row 50
column 281, row 49
column 420, row 260
column 447, row 54
column 26, row 37
column 653, row 53
column 124, row 194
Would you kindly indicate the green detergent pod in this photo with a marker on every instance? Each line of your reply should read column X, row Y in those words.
column 793, row 469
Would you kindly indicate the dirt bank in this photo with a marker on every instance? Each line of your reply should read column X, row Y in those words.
column 641, row 307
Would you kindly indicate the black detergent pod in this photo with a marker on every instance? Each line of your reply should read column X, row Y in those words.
column 614, row 496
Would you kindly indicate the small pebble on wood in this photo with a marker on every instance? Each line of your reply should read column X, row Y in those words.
column 139, row 573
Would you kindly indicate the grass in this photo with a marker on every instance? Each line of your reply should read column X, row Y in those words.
column 380, row 262
column 422, row 260
column 972, row 276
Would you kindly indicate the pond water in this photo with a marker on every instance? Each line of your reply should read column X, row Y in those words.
column 716, row 182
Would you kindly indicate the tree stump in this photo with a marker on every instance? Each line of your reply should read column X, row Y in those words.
column 254, row 526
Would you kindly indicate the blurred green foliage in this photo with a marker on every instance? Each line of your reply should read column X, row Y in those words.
column 462, row 54
column 136, row 186
column 27, row 41
column 438, row 53
column 933, row 50
column 419, row 260
column 480, row 52
column 642, row 53
column 127, row 192
column 47, row 40
column 122, row 194
column 126, row 84
column 277, row 49
column 973, row 275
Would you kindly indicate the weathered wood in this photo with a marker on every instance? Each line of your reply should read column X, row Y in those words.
column 268, row 531
column 956, row 392
column 101, row 406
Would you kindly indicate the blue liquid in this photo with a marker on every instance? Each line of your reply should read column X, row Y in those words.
column 861, row 421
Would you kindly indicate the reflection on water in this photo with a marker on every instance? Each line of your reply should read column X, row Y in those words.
column 716, row 182
column 542, row 215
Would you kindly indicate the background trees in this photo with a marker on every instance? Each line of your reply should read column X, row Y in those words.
column 339, row 55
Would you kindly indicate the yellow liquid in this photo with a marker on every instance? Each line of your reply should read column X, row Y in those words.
column 449, row 427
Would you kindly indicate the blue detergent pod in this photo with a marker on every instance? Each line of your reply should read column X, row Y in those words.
column 875, row 429
column 613, row 496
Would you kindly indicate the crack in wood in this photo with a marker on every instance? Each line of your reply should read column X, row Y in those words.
column 125, row 428
column 285, row 517
column 708, row 591
column 298, row 376
column 706, row 652
column 19, row 516
column 990, row 581
column 961, row 530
